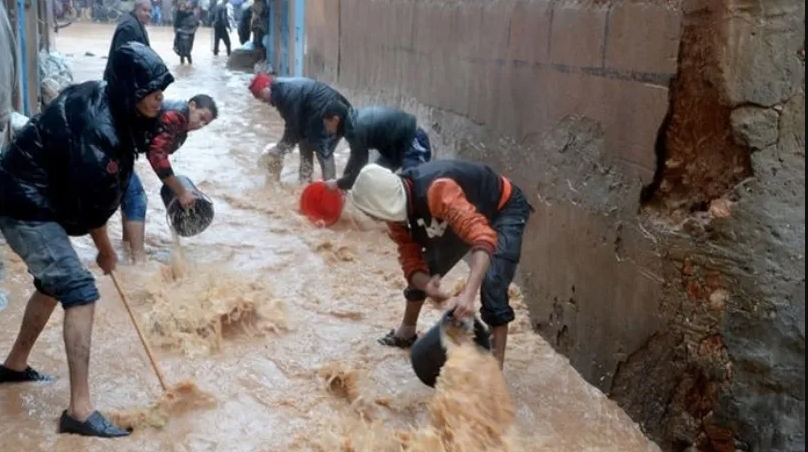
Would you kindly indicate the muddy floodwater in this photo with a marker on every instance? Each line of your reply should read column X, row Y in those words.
column 268, row 314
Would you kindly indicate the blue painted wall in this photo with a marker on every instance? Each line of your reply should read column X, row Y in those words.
column 300, row 36
column 283, row 64
column 23, row 45
column 269, row 39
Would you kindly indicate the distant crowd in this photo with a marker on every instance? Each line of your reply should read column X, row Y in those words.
column 163, row 11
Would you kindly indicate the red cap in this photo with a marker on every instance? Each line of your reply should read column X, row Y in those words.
column 258, row 83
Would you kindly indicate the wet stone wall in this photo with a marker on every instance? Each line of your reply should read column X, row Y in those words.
column 662, row 143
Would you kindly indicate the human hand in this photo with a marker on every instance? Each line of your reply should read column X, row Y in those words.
column 463, row 306
column 434, row 291
column 331, row 185
column 187, row 199
column 108, row 261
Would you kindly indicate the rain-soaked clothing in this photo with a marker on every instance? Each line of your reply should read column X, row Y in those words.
column 170, row 134
column 128, row 29
column 455, row 207
column 65, row 173
column 301, row 103
column 185, row 27
column 392, row 132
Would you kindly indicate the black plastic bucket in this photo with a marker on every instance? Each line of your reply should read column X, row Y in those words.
column 428, row 354
column 187, row 223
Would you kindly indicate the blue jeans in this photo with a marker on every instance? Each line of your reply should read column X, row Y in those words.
column 47, row 252
column 135, row 201
column 418, row 151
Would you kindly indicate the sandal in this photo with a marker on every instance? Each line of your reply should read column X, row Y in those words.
column 391, row 340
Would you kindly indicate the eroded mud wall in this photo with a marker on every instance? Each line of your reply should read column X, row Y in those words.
column 662, row 144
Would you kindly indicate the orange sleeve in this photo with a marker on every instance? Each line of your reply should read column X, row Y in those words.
column 448, row 202
column 410, row 254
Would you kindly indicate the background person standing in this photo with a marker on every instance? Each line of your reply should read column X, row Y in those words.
column 221, row 27
column 131, row 27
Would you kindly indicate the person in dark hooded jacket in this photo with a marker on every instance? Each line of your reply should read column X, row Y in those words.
column 301, row 103
column 64, row 175
column 131, row 27
column 393, row 133
column 244, row 23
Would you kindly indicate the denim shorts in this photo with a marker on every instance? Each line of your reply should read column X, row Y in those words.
column 47, row 252
column 135, row 201
column 509, row 224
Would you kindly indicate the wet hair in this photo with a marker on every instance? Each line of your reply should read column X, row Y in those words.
column 206, row 102
column 335, row 108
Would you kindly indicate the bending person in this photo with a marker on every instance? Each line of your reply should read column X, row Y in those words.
column 64, row 175
column 392, row 132
column 177, row 119
column 301, row 102
column 438, row 212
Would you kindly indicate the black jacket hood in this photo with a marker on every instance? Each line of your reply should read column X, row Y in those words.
column 72, row 162
column 136, row 71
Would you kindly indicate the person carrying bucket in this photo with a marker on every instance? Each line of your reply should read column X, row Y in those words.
column 437, row 212
column 301, row 102
column 64, row 175
column 177, row 119
column 392, row 132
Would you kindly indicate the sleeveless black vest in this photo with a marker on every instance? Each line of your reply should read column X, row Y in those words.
column 481, row 185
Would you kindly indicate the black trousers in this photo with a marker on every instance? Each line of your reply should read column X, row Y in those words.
column 220, row 33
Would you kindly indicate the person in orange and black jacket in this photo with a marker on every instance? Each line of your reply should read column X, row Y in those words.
column 437, row 212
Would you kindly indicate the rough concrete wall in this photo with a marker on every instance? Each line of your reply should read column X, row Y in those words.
column 728, row 206
column 662, row 143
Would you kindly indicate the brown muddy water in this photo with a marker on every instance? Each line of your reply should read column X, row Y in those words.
column 277, row 320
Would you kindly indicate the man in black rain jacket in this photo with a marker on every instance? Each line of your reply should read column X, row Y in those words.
column 131, row 27
column 301, row 103
column 392, row 132
column 64, row 175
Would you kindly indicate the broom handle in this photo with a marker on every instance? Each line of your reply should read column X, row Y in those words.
column 139, row 333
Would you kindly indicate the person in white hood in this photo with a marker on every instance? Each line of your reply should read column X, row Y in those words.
column 437, row 213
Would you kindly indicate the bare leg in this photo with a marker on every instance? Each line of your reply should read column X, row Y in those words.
column 78, row 331
column 500, row 335
column 124, row 235
column 410, row 321
column 37, row 313
column 136, row 232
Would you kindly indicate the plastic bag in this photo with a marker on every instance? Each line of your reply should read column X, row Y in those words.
column 54, row 75
column 18, row 121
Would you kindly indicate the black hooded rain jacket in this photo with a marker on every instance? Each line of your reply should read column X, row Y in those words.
column 71, row 164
